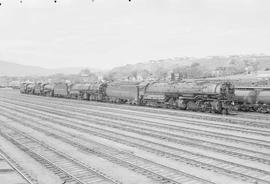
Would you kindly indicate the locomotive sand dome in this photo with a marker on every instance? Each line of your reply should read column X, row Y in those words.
column 190, row 95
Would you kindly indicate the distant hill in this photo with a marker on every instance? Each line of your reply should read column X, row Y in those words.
column 195, row 67
column 209, row 62
column 152, row 67
column 14, row 69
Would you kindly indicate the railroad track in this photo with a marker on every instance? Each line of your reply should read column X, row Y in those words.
column 194, row 122
column 206, row 145
column 26, row 177
column 182, row 121
column 67, row 168
column 190, row 131
column 229, row 168
column 158, row 172
column 179, row 128
column 177, row 113
column 254, row 115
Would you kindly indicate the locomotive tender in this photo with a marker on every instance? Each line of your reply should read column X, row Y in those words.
column 253, row 99
column 195, row 96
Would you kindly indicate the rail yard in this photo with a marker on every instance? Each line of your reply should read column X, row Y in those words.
column 56, row 140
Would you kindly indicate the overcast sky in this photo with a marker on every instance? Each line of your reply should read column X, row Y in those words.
column 109, row 33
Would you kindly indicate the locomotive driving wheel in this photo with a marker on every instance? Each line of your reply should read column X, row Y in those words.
column 224, row 111
column 200, row 105
column 191, row 105
column 181, row 104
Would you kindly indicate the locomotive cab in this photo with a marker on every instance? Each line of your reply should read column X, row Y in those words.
column 227, row 90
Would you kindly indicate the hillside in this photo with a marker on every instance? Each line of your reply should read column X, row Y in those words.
column 14, row 69
column 193, row 67
column 200, row 67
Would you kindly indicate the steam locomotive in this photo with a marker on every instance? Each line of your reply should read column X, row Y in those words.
column 194, row 96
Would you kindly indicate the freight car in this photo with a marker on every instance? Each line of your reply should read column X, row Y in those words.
column 205, row 97
column 253, row 99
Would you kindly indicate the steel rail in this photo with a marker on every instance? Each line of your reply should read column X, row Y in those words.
column 136, row 163
column 61, row 172
column 175, row 156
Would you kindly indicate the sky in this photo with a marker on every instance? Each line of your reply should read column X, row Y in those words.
column 107, row 33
